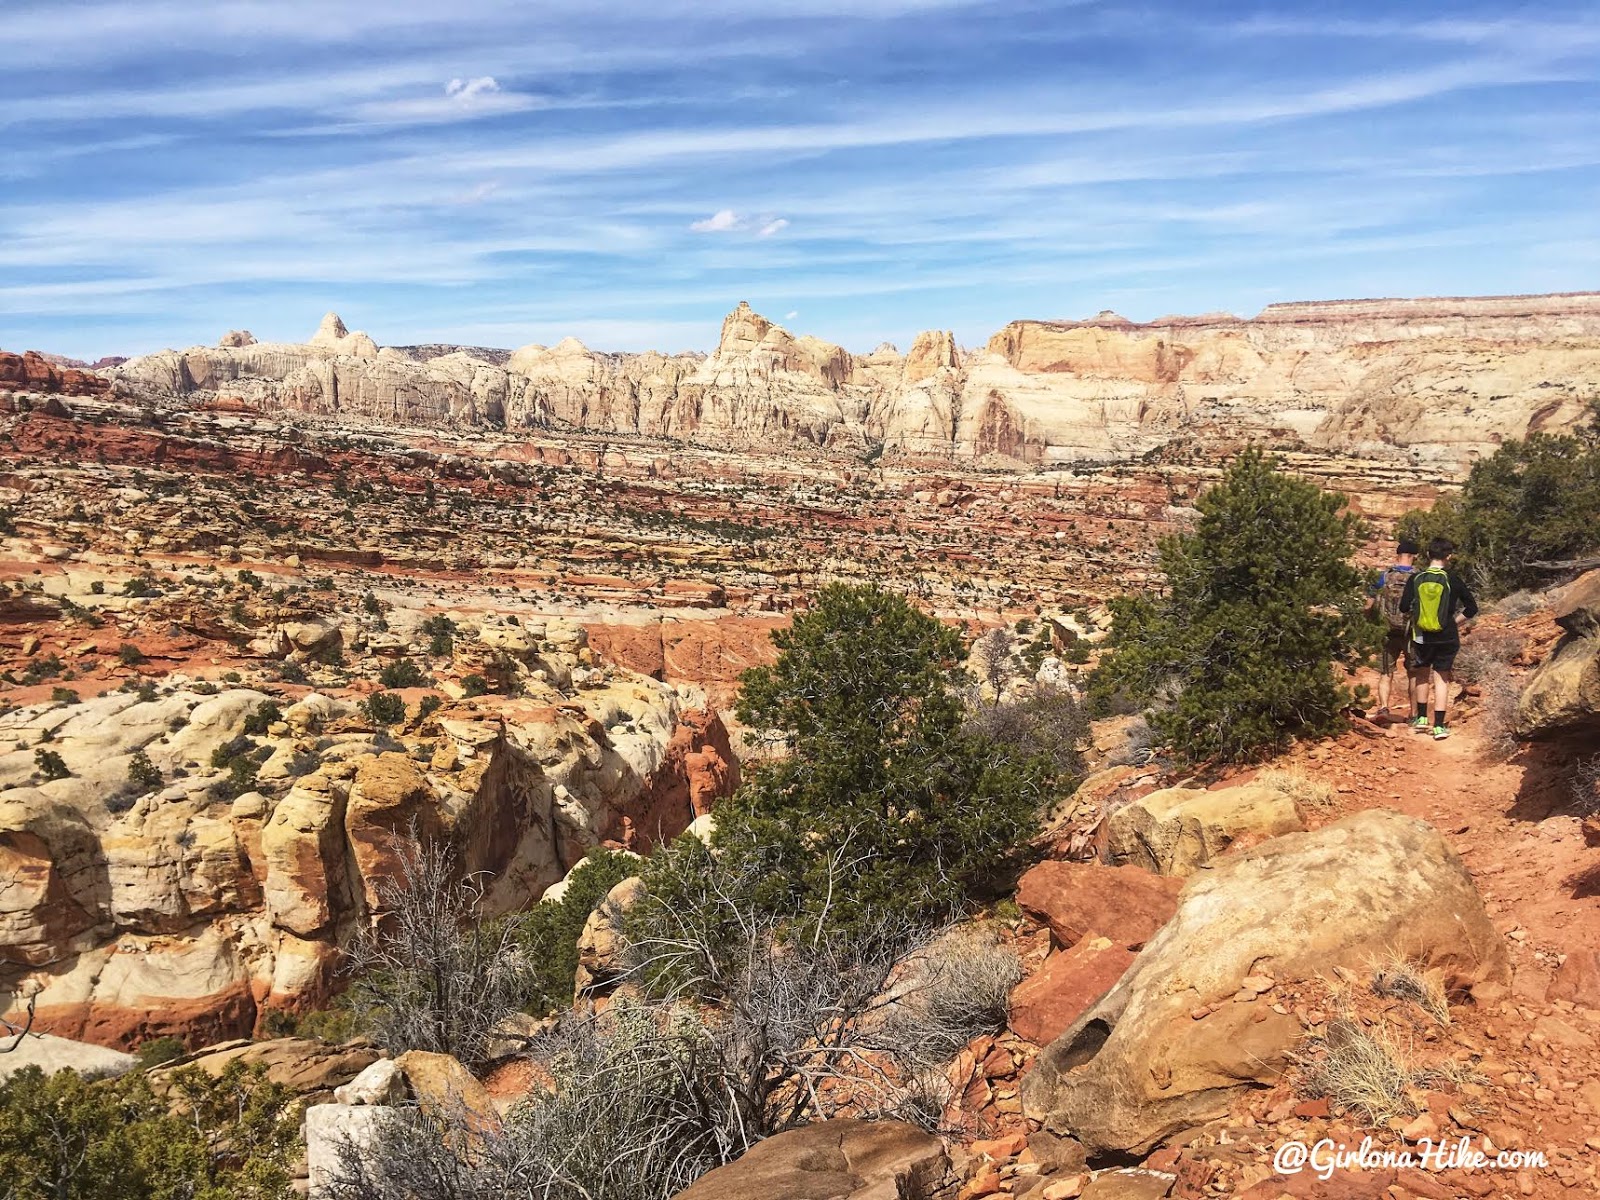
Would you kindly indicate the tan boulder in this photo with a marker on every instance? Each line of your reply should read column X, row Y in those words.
column 1563, row 695
column 601, row 946
column 441, row 1086
column 832, row 1160
column 1138, row 1066
column 303, row 1065
column 1177, row 831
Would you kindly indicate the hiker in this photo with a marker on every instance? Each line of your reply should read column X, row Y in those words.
column 1383, row 598
column 1439, row 607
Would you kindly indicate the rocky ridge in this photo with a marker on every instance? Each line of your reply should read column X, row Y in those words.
column 1436, row 380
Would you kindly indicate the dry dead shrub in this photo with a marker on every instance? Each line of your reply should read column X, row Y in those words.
column 1307, row 792
column 1487, row 652
column 1518, row 605
column 1364, row 1071
column 1586, row 787
column 1498, row 694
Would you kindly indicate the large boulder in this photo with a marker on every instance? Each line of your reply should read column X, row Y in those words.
column 832, row 1160
column 1563, row 695
column 1044, row 1006
column 1170, row 1045
column 601, row 945
column 1176, row 831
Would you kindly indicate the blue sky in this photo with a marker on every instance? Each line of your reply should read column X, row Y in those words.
column 508, row 171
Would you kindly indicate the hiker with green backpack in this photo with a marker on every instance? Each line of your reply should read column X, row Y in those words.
column 1384, row 600
column 1439, row 606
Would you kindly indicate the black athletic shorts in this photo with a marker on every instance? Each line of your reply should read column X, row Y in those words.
column 1394, row 650
column 1439, row 656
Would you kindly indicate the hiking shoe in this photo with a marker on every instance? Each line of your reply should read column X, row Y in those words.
column 1440, row 733
column 1421, row 725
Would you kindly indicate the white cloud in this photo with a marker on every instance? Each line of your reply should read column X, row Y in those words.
column 727, row 220
column 789, row 316
column 464, row 91
column 723, row 221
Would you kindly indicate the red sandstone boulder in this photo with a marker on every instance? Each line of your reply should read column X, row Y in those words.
column 1125, row 904
column 1069, row 983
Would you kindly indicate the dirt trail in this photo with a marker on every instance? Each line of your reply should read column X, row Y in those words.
column 1510, row 820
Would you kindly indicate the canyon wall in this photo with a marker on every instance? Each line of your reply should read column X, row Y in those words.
column 1429, row 380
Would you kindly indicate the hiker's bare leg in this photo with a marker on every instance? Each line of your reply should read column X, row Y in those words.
column 1383, row 691
column 1441, row 691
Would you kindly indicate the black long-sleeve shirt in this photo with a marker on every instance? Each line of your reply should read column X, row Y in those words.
column 1459, row 600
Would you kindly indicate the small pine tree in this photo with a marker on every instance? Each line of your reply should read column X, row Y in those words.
column 887, row 803
column 1237, row 656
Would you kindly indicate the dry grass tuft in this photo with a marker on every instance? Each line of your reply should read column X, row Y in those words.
column 1586, row 787
column 1364, row 1071
column 1401, row 980
column 1307, row 792
column 1486, row 652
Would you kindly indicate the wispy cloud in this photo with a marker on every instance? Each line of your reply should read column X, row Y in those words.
column 726, row 220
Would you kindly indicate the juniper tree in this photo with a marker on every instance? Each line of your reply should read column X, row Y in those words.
column 1238, row 653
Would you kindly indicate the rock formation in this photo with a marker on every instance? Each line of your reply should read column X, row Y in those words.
column 194, row 907
column 1563, row 696
column 1435, row 380
column 1188, row 1026
column 34, row 372
column 832, row 1160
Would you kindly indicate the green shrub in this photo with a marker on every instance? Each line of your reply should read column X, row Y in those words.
column 548, row 933
column 1530, row 502
column 232, row 1137
column 153, row 1052
column 129, row 655
column 262, row 718
column 142, row 773
column 50, row 764
column 47, row 666
column 427, row 706
column 885, row 804
column 402, row 673
column 474, row 685
column 1237, row 655
column 64, row 695
column 384, row 708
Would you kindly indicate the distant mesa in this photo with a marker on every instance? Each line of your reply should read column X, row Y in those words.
column 1432, row 381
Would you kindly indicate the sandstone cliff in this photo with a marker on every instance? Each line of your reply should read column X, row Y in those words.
column 1434, row 380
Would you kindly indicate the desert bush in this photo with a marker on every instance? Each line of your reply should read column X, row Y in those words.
column 384, row 708
column 45, row 666
column 153, row 1052
column 142, row 773
column 885, row 803
column 231, row 1137
column 1497, row 718
column 427, row 706
column 129, row 655
column 1237, row 655
column 1307, row 793
column 434, row 975
column 50, row 764
column 474, row 685
column 1586, row 787
column 1048, row 726
column 1487, row 652
column 402, row 673
column 547, row 935
column 64, row 695
column 262, row 718
column 956, row 989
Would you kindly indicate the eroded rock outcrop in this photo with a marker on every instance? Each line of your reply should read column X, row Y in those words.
column 832, row 1160
column 194, row 902
column 1434, row 380
column 1563, row 695
column 1170, row 1045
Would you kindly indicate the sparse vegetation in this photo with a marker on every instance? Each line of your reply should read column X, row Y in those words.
column 1401, row 979
column 1308, row 794
column 64, row 695
column 547, row 934
column 402, row 673
column 262, row 718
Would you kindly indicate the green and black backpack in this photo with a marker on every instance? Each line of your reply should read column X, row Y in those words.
column 1434, row 601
